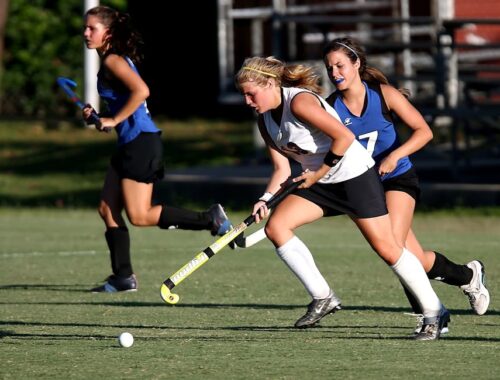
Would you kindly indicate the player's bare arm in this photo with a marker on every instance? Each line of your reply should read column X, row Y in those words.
column 139, row 91
column 422, row 133
column 307, row 108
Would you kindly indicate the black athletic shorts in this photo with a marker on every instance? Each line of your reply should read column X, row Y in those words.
column 406, row 182
column 359, row 197
column 140, row 159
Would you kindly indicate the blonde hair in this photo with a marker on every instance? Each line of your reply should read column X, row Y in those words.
column 259, row 70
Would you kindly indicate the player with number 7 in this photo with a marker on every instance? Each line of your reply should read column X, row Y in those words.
column 366, row 104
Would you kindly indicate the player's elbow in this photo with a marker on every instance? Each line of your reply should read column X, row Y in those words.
column 428, row 135
column 143, row 92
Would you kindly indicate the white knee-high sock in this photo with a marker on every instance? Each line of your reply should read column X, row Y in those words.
column 299, row 259
column 413, row 276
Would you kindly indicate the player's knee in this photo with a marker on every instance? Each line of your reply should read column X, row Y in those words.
column 138, row 219
column 272, row 230
column 104, row 210
column 388, row 251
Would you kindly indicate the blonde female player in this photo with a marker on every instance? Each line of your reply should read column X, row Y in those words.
column 339, row 178
column 137, row 164
column 366, row 104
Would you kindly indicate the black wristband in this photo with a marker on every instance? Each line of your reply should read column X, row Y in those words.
column 331, row 159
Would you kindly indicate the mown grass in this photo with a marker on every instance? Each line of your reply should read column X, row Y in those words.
column 235, row 316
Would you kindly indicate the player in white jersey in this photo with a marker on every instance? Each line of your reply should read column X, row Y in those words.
column 339, row 178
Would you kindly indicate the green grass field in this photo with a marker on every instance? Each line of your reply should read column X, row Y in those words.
column 236, row 313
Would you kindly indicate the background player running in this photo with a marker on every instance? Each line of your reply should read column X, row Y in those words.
column 138, row 162
column 365, row 103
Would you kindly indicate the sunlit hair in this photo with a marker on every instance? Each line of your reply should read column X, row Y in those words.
column 260, row 70
column 353, row 50
column 121, row 36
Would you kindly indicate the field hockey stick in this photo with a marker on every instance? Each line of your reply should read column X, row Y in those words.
column 202, row 257
column 67, row 84
column 243, row 241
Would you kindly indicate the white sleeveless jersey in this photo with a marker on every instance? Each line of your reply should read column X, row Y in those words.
column 308, row 145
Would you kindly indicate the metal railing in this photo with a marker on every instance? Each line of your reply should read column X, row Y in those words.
column 455, row 84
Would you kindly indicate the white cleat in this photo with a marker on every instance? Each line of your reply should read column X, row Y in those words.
column 479, row 296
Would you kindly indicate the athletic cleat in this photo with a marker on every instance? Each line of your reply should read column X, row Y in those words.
column 479, row 296
column 317, row 309
column 116, row 284
column 432, row 327
column 232, row 245
column 220, row 222
column 420, row 322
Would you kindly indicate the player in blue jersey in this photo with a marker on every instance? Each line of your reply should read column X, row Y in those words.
column 365, row 103
column 138, row 162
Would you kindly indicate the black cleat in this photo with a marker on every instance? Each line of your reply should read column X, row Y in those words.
column 115, row 284
column 220, row 222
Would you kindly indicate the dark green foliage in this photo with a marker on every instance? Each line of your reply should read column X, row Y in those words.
column 42, row 41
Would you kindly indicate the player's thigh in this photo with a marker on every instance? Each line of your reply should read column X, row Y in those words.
column 291, row 213
column 378, row 233
column 137, row 197
column 401, row 207
column 295, row 211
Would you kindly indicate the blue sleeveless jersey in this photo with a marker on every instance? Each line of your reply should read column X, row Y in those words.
column 115, row 95
column 374, row 128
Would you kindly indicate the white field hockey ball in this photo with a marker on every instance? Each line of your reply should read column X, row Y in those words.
column 126, row 339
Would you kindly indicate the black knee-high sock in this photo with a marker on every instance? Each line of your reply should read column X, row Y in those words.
column 118, row 240
column 412, row 300
column 449, row 272
column 173, row 217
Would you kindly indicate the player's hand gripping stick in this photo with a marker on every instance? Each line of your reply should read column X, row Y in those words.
column 67, row 84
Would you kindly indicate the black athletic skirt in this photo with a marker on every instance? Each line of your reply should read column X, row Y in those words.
column 406, row 182
column 140, row 159
column 359, row 197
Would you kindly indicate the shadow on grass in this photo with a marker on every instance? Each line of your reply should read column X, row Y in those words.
column 385, row 309
column 333, row 332
column 38, row 160
column 50, row 287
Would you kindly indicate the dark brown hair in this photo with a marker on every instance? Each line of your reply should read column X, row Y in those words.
column 353, row 50
column 122, row 38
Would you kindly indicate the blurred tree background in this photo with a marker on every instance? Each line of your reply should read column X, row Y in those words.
column 42, row 39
